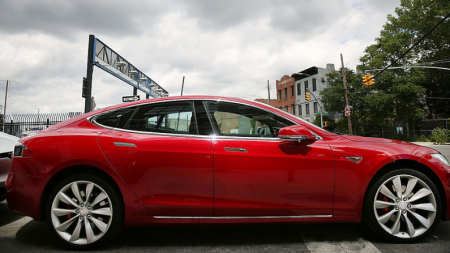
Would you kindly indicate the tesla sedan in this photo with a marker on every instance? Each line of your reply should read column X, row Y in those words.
column 201, row 159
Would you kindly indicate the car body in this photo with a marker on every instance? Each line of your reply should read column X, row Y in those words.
column 202, row 159
column 7, row 143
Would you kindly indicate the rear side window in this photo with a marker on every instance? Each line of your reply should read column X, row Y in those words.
column 166, row 117
column 116, row 118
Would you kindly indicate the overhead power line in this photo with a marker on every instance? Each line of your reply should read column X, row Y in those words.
column 415, row 44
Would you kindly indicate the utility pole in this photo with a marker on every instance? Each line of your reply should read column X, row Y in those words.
column 182, row 86
column 6, row 96
column 268, row 90
column 350, row 131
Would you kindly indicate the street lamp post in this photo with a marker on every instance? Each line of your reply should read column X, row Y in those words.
column 321, row 109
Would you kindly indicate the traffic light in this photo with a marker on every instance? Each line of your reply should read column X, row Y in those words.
column 368, row 81
column 326, row 124
column 365, row 80
column 84, row 90
column 307, row 96
column 371, row 82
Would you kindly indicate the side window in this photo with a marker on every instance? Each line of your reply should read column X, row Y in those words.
column 232, row 119
column 116, row 118
column 166, row 117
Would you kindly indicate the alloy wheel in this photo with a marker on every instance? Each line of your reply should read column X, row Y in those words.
column 81, row 212
column 405, row 206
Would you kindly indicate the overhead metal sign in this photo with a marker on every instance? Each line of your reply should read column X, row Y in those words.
column 110, row 61
column 104, row 57
column 131, row 98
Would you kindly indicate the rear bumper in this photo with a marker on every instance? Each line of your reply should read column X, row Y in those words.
column 24, row 194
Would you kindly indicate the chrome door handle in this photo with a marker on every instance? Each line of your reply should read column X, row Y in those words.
column 235, row 149
column 125, row 144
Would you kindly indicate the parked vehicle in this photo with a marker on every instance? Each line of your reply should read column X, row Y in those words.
column 201, row 159
column 7, row 143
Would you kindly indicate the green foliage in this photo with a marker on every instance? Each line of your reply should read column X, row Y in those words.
column 413, row 19
column 332, row 125
column 439, row 135
column 423, row 138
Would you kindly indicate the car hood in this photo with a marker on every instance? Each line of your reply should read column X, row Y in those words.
column 372, row 139
column 7, row 142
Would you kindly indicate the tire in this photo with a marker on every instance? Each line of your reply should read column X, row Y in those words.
column 404, row 217
column 80, row 221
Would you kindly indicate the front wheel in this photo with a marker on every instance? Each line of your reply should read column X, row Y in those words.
column 403, row 206
column 84, row 211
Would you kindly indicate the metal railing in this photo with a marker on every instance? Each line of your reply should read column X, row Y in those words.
column 16, row 124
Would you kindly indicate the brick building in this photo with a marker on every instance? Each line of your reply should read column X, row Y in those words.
column 286, row 94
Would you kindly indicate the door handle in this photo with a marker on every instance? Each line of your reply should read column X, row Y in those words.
column 125, row 144
column 235, row 149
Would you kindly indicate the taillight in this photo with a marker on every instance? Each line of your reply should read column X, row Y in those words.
column 21, row 150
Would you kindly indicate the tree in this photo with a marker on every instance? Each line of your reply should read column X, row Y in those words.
column 410, row 87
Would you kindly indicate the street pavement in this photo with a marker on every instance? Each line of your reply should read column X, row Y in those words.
column 22, row 234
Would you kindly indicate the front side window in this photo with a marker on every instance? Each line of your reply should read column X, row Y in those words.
column 239, row 120
column 168, row 117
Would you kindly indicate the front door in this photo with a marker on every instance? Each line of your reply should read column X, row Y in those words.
column 258, row 174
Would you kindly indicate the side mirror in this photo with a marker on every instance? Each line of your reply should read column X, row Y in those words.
column 296, row 133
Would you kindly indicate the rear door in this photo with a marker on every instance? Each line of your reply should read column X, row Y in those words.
column 157, row 150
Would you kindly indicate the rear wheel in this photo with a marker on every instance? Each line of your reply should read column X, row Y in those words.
column 403, row 206
column 84, row 211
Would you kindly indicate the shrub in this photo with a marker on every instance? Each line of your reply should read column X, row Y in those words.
column 439, row 135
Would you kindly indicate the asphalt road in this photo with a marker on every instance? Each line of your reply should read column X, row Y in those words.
column 21, row 234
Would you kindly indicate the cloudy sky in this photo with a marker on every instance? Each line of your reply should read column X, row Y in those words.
column 228, row 48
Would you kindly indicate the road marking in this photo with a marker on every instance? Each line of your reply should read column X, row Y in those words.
column 11, row 229
column 337, row 240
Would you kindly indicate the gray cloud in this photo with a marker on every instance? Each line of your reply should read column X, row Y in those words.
column 228, row 48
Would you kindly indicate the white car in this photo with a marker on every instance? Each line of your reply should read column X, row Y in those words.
column 7, row 143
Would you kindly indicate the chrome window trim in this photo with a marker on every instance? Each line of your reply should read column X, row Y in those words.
column 93, row 118
column 243, row 217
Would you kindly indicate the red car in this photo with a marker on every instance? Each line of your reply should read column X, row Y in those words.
column 201, row 159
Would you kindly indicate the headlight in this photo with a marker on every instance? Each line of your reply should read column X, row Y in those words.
column 441, row 158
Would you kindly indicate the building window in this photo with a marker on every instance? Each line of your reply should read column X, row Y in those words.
column 287, row 108
column 307, row 109
column 306, row 86
column 315, row 107
column 314, row 84
column 293, row 107
column 299, row 89
column 292, row 91
column 279, row 94
column 285, row 92
column 299, row 109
